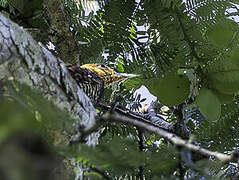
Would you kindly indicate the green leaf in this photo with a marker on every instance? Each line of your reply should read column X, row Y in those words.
column 235, row 55
column 225, row 130
column 223, row 75
column 133, row 83
column 222, row 33
column 209, row 104
column 224, row 98
column 120, row 67
column 171, row 90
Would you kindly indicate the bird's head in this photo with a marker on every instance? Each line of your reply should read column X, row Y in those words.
column 107, row 74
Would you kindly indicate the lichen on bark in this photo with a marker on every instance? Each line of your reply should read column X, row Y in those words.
column 31, row 63
column 28, row 62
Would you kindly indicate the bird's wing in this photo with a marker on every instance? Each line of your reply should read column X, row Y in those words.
column 89, row 82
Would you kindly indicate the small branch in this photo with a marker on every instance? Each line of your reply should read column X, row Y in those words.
column 150, row 118
column 180, row 127
column 182, row 131
column 114, row 116
column 83, row 132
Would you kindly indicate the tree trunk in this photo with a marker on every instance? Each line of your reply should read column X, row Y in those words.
column 26, row 61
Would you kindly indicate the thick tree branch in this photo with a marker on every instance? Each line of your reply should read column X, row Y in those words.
column 26, row 61
column 66, row 45
column 22, row 59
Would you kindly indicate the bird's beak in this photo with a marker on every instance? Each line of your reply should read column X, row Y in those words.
column 126, row 76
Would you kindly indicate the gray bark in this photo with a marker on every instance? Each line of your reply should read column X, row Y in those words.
column 26, row 61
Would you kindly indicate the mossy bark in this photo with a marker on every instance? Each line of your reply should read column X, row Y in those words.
column 26, row 61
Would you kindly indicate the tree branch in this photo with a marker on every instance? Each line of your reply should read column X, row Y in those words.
column 84, row 131
column 22, row 59
column 114, row 116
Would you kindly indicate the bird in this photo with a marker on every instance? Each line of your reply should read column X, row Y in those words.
column 94, row 78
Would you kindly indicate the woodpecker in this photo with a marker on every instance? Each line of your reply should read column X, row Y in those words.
column 93, row 78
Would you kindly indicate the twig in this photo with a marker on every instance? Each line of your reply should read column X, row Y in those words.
column 114, row 116
column 149, row 118
column 83, row 132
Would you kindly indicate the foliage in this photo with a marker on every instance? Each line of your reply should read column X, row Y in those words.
column 119, row 157
column 196, row 39
column 221, row 135
column 175, row 84
column 209, row 105
column 27, row 13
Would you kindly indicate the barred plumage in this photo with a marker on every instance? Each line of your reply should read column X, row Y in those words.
column 93, row 78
